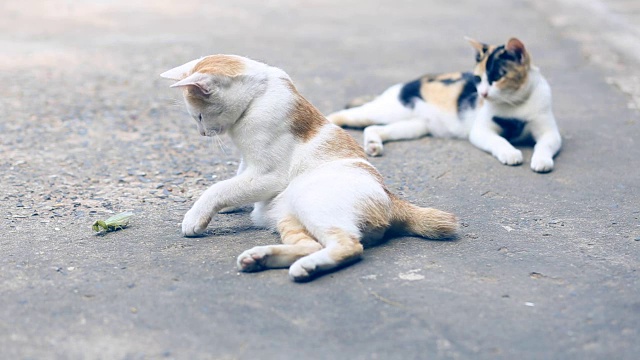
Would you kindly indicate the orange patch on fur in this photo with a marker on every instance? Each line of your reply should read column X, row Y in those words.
column 346, row 247
column 516, row 74
column 297, row 243
column 220, row 65
column 481, row 66
column 306, row 120
column 340, row 145
column 375, row 214
column 442, row 95
column 425, row 222
column 515, row 77
column 292, row 231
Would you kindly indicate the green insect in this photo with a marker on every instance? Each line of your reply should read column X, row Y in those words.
column 116, row 222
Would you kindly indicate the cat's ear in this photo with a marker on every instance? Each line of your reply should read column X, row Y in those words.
column 516, row 47
column 480, row 47
column 197, row 83
column 180, row 72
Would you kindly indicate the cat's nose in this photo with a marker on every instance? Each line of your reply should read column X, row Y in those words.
column 484, row 94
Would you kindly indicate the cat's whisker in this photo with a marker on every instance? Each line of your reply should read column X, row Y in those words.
column 212, row 144
column 219, row 141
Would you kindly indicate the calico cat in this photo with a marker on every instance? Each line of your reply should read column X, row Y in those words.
column 505, row 99
column 308, row 178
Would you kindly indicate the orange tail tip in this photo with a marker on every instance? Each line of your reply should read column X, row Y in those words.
column 425, row 222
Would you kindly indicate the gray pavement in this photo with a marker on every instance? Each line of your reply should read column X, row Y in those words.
column 545, row 267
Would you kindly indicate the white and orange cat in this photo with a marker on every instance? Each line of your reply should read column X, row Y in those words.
column 504, row 100
column 308, row 178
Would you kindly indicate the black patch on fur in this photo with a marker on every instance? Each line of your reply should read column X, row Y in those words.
column 469, row 94
column 494, row 67
column 480, row 54
column 447, row 81
column 410, row 92
column 511, row 128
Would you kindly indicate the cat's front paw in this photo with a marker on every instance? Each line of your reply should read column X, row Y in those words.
column 195, row 222
column 373, row 148
column 253, row 259
column 541, row 164
column 509, row 156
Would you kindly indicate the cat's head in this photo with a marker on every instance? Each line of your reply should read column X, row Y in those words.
column 217, row 89
column 501, row 70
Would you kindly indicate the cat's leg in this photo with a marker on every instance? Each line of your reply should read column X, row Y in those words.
column 484, row 135
column 247, row 187
column 296, row 243
column 340, row 248
column 241, row 167
column 356, row 117
column 548, row 143
column 384, row 109
column 376, row 135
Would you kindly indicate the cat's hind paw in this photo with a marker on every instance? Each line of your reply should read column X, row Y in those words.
column 303, row 269
column 253, row 259
column 541, row 164
column 373, row 148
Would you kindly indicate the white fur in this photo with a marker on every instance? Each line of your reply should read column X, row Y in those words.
column 180, row 72
column 280, row 174
column 387, row 119
column 532, row 104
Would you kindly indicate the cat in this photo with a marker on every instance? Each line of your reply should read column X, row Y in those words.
column 504, row 100
column 308, row 179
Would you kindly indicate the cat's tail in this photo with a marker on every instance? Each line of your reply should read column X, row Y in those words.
column 359, row 101
column 409, row 219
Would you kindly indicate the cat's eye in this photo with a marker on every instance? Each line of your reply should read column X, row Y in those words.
column 477, row 79
column 200, row 117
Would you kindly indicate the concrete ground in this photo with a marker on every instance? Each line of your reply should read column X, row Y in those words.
column 545, row 267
